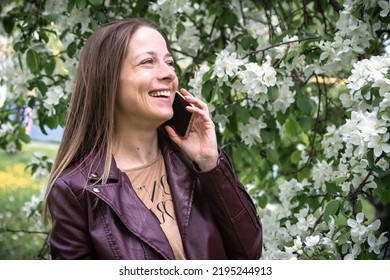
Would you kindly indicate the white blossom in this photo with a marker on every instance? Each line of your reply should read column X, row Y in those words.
column 189, row 40
column 312, row 241
column 322, row 173
column 53, row 96
column 365, row 130
column 376, row 243
column 226, row 65
column 285, row 99
column 385, row 5
column 358, row 229
column 354, row 251
column 379, row 144
column 6, row 128
column 250, row 132
column 196, row 81
column 305, row 220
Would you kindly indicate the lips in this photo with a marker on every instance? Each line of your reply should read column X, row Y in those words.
column 164, row 93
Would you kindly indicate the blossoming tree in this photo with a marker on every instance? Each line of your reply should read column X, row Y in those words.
column 299, row 91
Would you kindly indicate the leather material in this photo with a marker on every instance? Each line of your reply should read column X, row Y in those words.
column 216, row 217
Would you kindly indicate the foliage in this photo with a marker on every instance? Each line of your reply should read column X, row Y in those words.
column 22, row 235
column 299, row 90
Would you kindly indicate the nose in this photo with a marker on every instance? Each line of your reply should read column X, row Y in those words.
column 166, row 72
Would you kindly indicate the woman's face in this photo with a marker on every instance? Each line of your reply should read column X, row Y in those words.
column 148, row 82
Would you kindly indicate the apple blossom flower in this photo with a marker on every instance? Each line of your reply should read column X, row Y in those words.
column 354, row 251
column 305, row 220
column 6, row 128
column 322, row 173
column 285, row 99
column 312, row 241
column 376, row 243
column 53, row 97
column 379, row 144
column 250, row 132
column 196, row 81
column 358, row 229
column 226, row 65
column 385, row 5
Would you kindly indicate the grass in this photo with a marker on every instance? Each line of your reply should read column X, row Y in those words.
column 20, row 237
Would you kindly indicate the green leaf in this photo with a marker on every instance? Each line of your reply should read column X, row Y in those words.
column 71, row 49
column 207, row 90
column 295, row 156
column 101, row 17
column 340, row 180
column 229, row 18
column 292, row 128
column 332, row 188
column 43, row 36
column 180, row 28
column 306, row 123
column 232, row 125
column 263, row 201
column 341, row 219
column 70, row 6
column 22, row 135
column 50, row 65
column 282, row 117
column 385, row 197
column 248, row 42
column 95, row 3
column 273, row 93
column 8, row 23
column 303, row 103
column 344, row 237
column 241, row 112
column 52, row 122
column 41, row 86
column 331, row 209
column 371, row 158
column 32, row 60
column 272, row 155
column 18, row 46
column 268, row 135
column 216, row 8
column 81, row 4
column 290, row 56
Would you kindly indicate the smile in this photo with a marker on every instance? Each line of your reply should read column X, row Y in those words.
column 160, row 93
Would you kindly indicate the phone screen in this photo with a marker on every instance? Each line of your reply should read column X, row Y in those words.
column 182, row 119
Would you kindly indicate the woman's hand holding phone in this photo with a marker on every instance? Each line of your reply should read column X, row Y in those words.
column 200, row 143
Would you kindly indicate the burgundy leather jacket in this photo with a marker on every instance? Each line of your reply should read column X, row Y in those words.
column 215, row 215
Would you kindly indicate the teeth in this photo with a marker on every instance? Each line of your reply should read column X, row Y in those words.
column 160, row 93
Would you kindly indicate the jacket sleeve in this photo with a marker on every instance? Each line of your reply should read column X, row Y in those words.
column 69, row 238
column 234, row 211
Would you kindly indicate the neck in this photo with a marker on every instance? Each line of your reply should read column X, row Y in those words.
column 135, row 149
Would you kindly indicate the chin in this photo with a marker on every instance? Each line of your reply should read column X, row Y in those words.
column 166, row 118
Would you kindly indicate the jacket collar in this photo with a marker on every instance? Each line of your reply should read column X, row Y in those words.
column 131, row 210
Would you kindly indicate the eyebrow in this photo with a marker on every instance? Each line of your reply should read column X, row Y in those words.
column 152, row 53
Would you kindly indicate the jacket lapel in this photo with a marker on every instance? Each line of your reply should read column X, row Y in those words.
column 122, row 199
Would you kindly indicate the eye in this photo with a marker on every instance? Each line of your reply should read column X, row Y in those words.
column 170, row 63
column 147, row 61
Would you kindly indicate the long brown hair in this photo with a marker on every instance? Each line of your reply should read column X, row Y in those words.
column 90, row 122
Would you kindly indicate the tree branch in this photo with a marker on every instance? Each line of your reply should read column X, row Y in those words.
column 336, row 6
column 280, row 44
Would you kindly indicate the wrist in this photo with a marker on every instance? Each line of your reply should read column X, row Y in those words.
column 206, row 164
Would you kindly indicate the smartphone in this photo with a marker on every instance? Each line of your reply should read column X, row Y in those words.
column 182, row 119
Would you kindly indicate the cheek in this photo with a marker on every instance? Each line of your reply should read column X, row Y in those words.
column 175, row 83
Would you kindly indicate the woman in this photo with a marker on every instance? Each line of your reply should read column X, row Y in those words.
column 125, row 187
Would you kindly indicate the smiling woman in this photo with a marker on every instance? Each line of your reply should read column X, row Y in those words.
column 126, row 186
column 147, row 85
